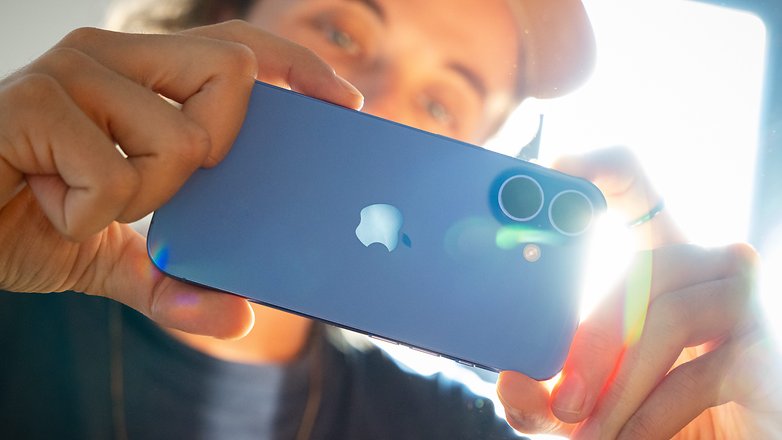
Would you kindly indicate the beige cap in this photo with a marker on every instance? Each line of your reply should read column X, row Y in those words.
column 557, row 46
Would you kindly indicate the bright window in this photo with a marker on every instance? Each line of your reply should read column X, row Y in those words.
column 680, row 83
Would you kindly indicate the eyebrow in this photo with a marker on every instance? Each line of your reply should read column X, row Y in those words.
column 472, row 78
column 375, row 7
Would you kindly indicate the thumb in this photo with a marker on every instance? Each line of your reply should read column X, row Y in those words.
column 526, row 403
column 122, row 271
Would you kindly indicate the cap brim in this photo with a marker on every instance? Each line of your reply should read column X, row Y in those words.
column 557, row 46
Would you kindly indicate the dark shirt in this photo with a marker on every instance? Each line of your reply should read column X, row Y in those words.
column 73, row 366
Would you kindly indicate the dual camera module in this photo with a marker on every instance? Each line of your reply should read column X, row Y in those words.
column 521, row 199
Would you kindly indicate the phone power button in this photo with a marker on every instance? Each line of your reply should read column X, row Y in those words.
column 381, row 339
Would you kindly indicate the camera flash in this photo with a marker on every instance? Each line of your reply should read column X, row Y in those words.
column 532, row 253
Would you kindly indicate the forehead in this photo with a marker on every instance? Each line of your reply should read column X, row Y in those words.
column 480, row 34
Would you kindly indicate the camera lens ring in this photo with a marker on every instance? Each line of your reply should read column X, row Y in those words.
column 553, row 205
column 502, row 204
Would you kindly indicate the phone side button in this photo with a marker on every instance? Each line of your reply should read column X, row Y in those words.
column 459, row 361
column 381, row 339
column 431, row 353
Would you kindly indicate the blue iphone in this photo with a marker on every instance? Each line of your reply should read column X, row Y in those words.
column 388, row 230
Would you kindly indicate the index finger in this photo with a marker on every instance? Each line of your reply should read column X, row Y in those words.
column 211, row 79
column 286, row 64
column 211, row 70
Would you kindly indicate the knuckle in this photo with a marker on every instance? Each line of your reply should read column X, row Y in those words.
column 33, row 96
column 81, row 36
column 195, row 146
column 743, row 258
column 239, row 27
column 228, row 39
column 625, row 154
column 236, row 25
column 124, row 183
column 615, row 157
column 63, row 61
column 240, row 59
column 33, row 89
column 116, row 186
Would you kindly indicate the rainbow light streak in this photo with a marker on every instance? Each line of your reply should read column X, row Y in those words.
column 636, row 299
column 509, row 237
column 159, row 254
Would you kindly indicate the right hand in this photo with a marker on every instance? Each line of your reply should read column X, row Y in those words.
column 66, row 191
column 682, row 331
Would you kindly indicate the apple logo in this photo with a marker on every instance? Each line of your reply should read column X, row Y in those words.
column 381, row 223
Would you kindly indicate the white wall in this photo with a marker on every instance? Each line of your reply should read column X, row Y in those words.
column 29, row 27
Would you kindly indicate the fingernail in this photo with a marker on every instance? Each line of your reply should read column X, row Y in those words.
column 570, row 395
column 525, row 422
column 351, row 89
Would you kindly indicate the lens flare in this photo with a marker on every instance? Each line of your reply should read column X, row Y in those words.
column 636, row 299
column 159, row 253
column 508, row 237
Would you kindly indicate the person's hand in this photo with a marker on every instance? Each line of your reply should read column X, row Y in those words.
column 648, row 372
column 66, row 190
column 678, row 349
column 628, row 191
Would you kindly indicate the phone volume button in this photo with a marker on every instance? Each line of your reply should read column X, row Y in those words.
column 425, row 351
column 382, row 339
column 465, row 363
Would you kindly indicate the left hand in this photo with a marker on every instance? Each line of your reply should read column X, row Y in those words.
column 667, row 351
column 622, row 377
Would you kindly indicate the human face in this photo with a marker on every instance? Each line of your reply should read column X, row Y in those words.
column 445, row 66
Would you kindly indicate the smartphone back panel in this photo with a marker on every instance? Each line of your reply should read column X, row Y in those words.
column 303, row 211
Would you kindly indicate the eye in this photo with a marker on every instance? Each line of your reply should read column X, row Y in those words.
column 437, row 111
column 341, row 39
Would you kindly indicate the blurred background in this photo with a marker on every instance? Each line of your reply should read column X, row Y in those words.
column 28, row 28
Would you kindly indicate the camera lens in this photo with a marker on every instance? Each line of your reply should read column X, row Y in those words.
column 570, row 212
column 521, row 198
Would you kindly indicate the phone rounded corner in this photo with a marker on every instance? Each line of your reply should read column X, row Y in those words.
column 157, row 251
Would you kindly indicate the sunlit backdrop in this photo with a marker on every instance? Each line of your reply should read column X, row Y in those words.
column 680, row 83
